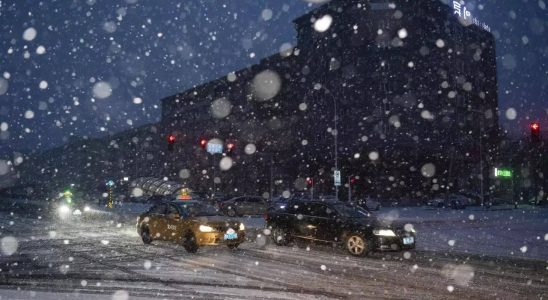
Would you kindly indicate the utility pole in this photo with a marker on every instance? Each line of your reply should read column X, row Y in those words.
column 271, row 177
column 335, row 132
column 349, row 189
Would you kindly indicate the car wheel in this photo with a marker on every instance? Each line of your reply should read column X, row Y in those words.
column 145, row 236
column 279, row 236
column 356, row 244
column 231, row 212
column 189, row 243
column 232, row 246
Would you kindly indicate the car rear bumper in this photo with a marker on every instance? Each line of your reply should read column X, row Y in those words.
column 217, row 238
column 395, row 243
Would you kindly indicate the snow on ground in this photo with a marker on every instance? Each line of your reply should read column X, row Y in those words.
column 500, row 231
column 102, row 255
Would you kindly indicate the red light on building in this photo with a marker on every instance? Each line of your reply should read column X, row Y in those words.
column 171, row 138
column 535, row 132
column 171, row 142
column 203, row 143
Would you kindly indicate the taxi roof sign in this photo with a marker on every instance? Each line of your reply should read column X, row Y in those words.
column 184, row 195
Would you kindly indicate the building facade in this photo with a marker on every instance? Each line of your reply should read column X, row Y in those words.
column 408, row 88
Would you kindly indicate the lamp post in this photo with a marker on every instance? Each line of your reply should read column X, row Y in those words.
column 319, row 86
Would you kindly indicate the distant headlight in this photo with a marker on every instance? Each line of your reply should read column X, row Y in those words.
column 64, row 209
column 242, row 227
column 384, row 232
column 77, row 212
column 205, row 228
column 86, row 208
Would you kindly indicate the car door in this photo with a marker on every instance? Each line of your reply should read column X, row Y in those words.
column 261, row 206
column 328, row 223
column 307, row 223
column 173, row 223
column 319, row 222
column 245, row 206
column 256, row 206
column 157, row 223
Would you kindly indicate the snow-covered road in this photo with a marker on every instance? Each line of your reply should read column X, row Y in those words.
column 105, row 259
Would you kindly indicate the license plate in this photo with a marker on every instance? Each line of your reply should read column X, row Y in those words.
column 408, row 240
column 231, row 234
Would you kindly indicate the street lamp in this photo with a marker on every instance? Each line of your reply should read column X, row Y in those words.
column 319, row 86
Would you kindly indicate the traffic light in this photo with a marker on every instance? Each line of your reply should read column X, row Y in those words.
column 171, row 142
column 535, row 132
column 353, row 180
column 309, row 181
column 203, row 143
column 229, row 147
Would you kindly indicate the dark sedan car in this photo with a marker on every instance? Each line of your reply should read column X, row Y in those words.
column 336, row 222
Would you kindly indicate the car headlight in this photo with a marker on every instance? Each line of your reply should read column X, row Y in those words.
column 205, row 228
column 64, row 209
column 384, row 232
column 77, row 212
column 242, row 227
column 86, row 208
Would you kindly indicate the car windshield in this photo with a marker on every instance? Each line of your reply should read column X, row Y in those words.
column 196, row 209
column 350, row 211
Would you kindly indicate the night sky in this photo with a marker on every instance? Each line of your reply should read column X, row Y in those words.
column 147, row 50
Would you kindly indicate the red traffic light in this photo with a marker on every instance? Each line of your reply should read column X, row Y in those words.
column 309, row 181
column 203, row 143
column 230, row 146
column 171, row 138
column 535, row 132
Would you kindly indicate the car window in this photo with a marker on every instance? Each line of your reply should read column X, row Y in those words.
column 310, row 209
column 254, row 200
column 349, row 211
column 158, row 209
column 171, row 209
column 196, row 209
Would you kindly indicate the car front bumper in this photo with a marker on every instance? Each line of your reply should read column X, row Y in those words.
column 393, row 243
column 217, row 238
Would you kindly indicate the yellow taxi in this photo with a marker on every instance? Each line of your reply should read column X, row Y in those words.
column 190, row 223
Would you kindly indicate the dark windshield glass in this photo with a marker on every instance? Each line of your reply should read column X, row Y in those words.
column 349, row 211
column 196, row 209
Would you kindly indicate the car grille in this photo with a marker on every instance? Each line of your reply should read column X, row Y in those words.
column 223, row 228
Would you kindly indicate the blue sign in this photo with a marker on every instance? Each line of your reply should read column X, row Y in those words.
column 214, row 148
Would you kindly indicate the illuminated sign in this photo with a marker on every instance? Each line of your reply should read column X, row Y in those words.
column 214, row 148
column 183, row 195
column 337, row 175
column 505, row 173
column 460, row 9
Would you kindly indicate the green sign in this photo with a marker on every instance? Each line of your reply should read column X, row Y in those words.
column 506, row 173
